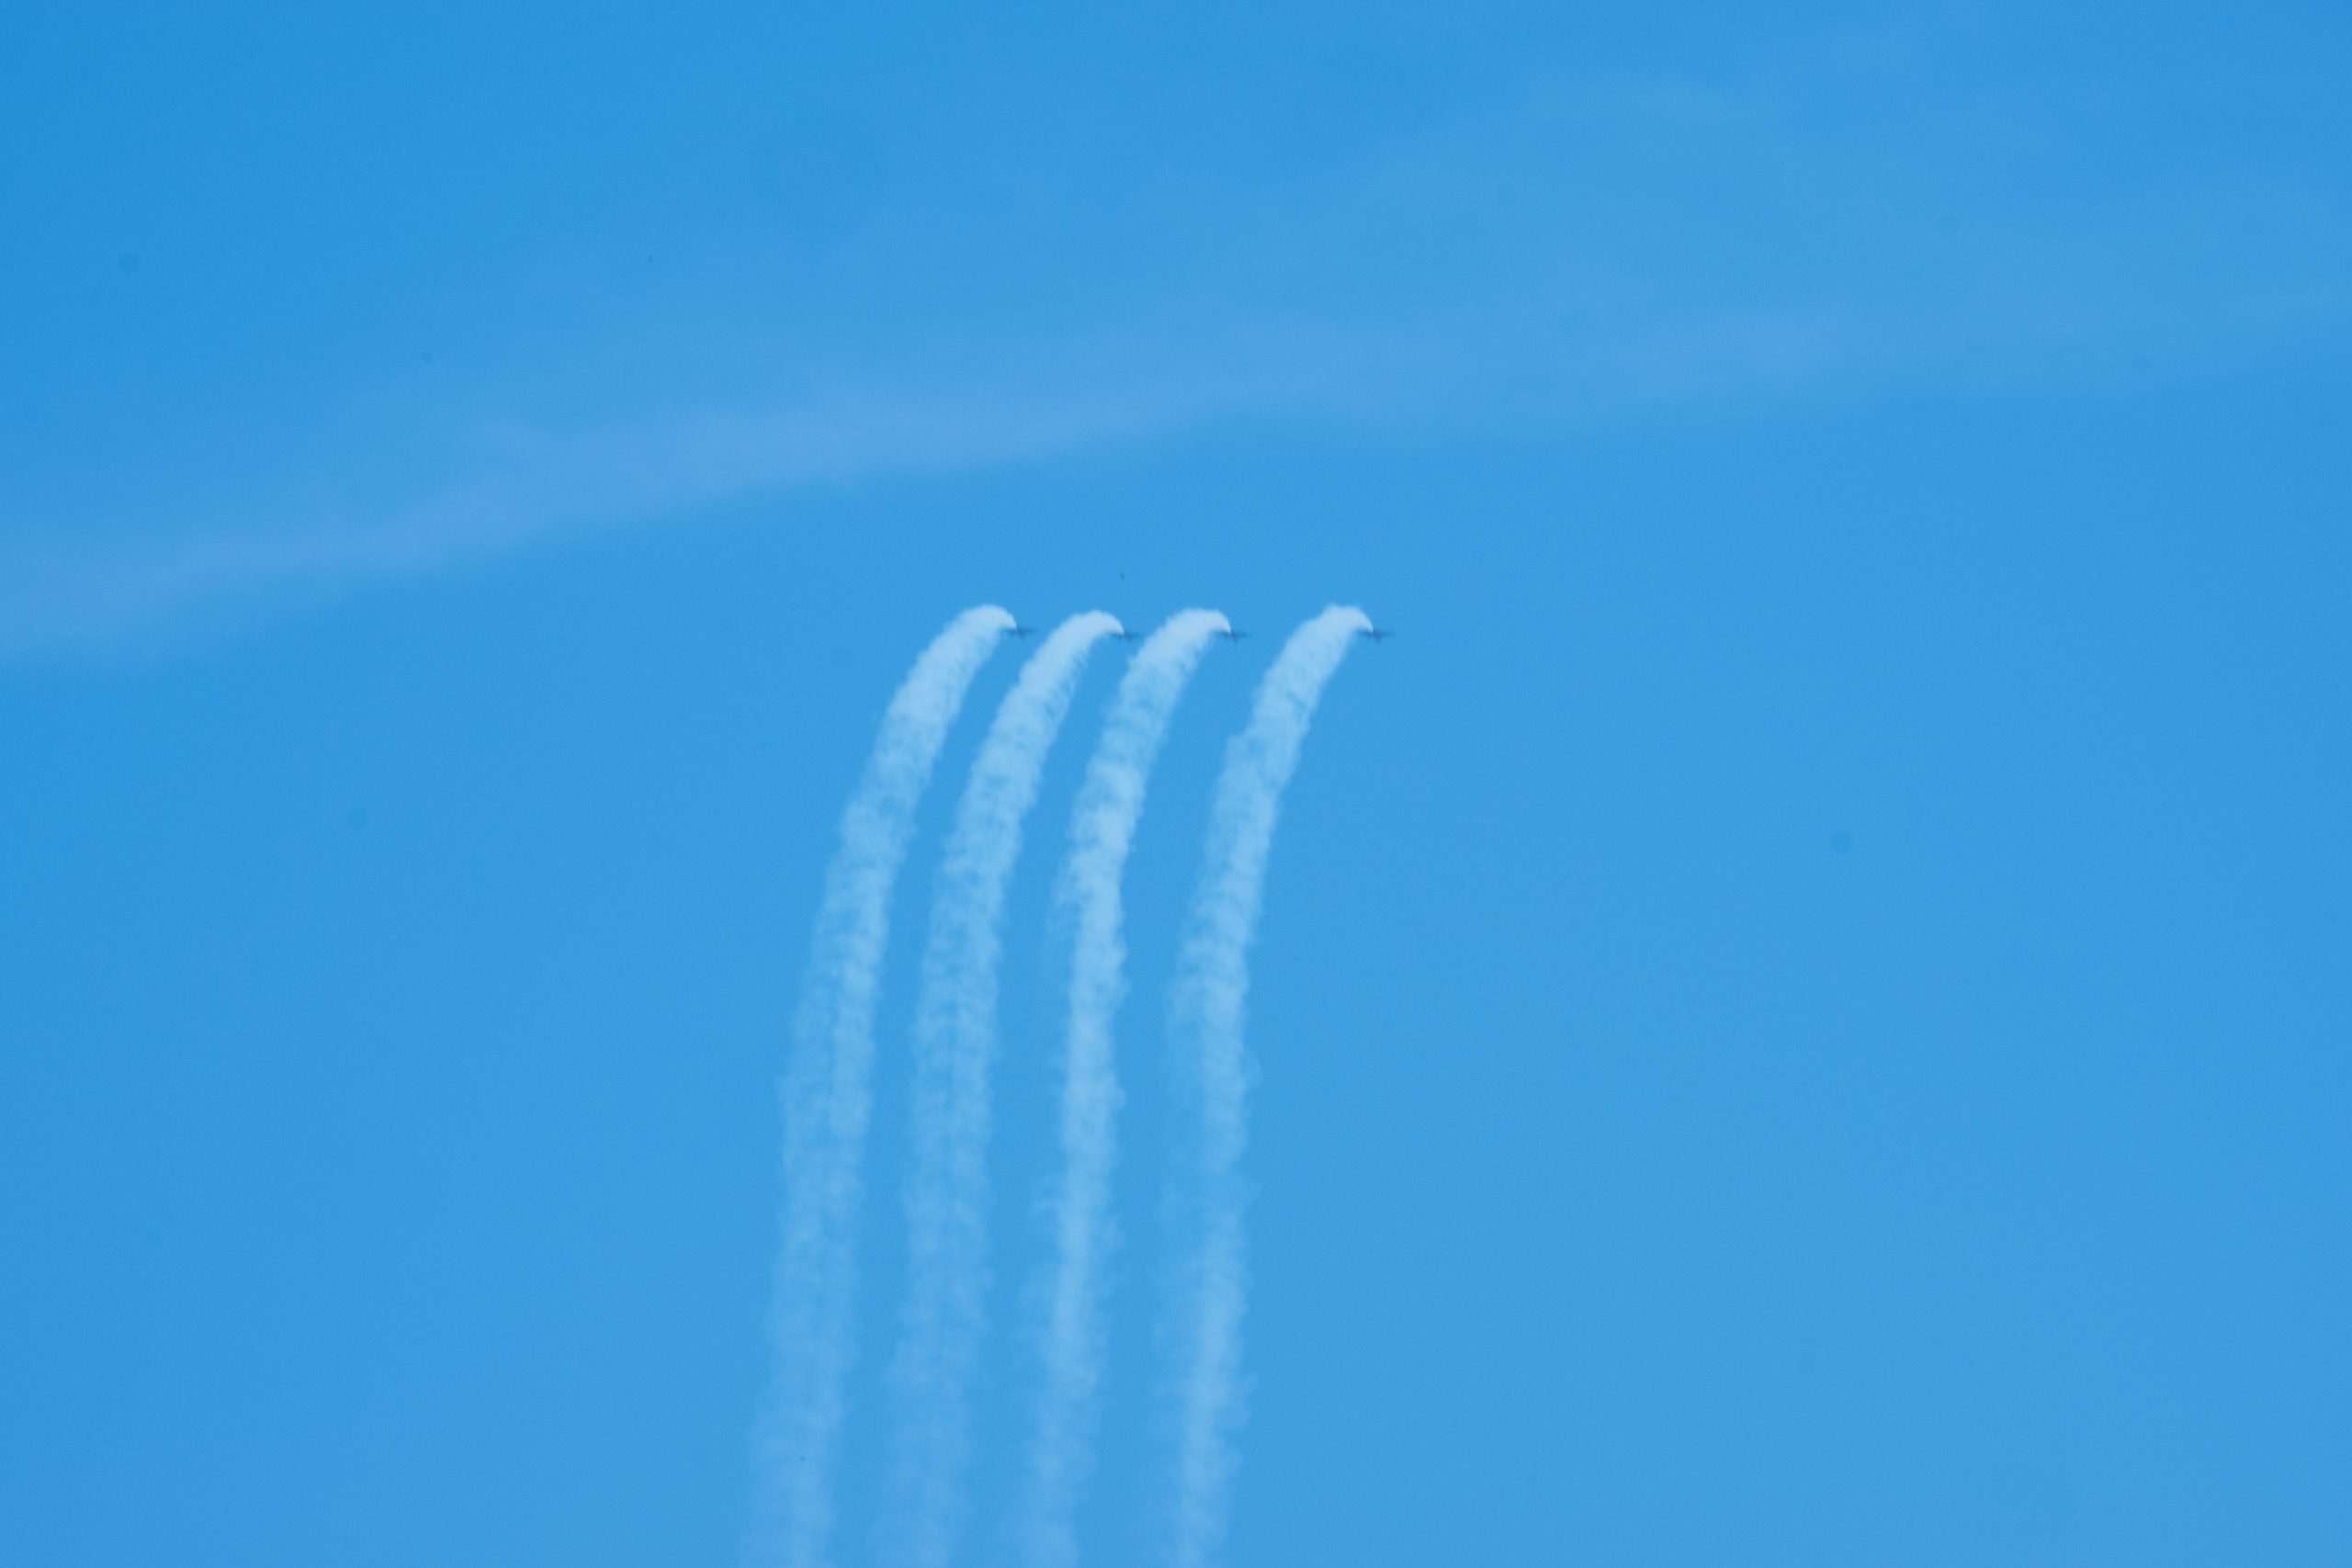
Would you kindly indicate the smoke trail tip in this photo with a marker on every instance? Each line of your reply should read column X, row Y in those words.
column 1194, row 622
column 1083, row 630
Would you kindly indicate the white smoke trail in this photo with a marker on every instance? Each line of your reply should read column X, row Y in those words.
column 954, row 1045
column 1206, row 1002
column 1102, row 828
column 827, row 1102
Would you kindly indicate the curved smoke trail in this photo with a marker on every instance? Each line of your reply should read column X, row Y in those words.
column 827, row 1099
column 1102, row 828
column 954, row 1044
column 1206, row 1002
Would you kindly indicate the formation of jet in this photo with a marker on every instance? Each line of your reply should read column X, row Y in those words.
column 1230, row 634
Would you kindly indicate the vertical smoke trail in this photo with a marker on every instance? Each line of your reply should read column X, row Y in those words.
column 1212, row 983
column 1102, row 825
column 826, row 1100
column 954, row 1043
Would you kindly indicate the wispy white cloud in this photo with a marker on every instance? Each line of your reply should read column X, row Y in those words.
column 57, row 591
column 1593, row 250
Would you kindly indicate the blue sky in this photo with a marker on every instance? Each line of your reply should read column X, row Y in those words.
column 1802, row 1001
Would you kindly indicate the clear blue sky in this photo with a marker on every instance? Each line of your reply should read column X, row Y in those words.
column 1803, row 1003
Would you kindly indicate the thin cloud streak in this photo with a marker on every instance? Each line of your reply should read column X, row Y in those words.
column 1531, row 265
column 58, row 593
